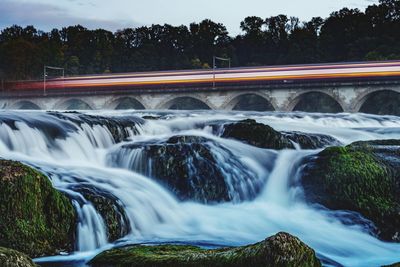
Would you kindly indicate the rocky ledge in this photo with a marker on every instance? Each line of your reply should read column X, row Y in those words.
column 281, row 249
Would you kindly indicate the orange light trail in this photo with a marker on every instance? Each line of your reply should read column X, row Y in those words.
column 236, row 75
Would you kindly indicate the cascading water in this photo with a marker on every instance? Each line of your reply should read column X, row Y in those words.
column 109, row 152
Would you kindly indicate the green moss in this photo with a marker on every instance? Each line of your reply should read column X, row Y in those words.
column 13, row 258
column 354, row 178
column 35, row 218
column 279, row 250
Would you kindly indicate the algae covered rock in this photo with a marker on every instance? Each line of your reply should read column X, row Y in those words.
column 281, row 249
column 35, row 218
column 362, row 177
column 192, row 168
column 13, row 258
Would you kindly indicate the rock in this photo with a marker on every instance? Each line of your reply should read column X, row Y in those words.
column 13, row 258
column 151, row 117
column 393, row 265
column 264, row 136
column 35, row 218
column 256, row 134
column 110, row 209
column 193, row 168
column 311, row 140
column 281, row 249
column 362, row 177
column 120, row 127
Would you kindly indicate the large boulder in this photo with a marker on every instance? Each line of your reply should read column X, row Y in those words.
column 13, row 258
column 256, row 134
column 362, row 177
column 264, row 136
column 193, row 168
column 35, row 218
column 281, row 249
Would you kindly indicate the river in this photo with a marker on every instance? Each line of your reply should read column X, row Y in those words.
column 75, row 152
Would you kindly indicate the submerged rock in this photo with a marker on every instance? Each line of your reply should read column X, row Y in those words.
column 13, row 258
column 193, row 168
column 35, row 218
column 264, row 136
column 110, row 209
column 281, row 249
column 362, row 177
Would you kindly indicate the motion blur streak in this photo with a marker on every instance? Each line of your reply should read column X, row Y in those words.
column 283, row 74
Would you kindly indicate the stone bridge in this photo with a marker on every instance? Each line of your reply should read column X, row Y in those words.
column 370, row 97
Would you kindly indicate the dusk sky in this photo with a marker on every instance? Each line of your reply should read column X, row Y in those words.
column 117, row 14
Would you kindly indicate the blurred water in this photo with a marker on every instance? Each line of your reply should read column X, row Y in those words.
column 74, row 152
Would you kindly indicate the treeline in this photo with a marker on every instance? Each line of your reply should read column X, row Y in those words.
column 346, row 35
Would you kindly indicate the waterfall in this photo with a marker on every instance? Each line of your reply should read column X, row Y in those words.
column 112, row 153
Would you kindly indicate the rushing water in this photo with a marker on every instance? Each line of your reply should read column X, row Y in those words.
column 76, row 152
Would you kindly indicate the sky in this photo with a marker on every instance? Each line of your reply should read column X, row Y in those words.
column 118, row 14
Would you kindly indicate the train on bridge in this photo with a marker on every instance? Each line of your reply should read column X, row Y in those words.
column 214, row 78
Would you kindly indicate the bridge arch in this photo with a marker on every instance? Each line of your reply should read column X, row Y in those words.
column 316, row 101
column 185, row 103
column 380, row 102
column 25, row 104
column 250, row 102
column 126, row 102
column 73, row 104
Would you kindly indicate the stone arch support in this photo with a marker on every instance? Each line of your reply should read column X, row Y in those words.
column 249, row 101
column 190, row 102
column 324, row 101
column 125, row 102
column 379, row 101
column 73, row 104
column 25, row 104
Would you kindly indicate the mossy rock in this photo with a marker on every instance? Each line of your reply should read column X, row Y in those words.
column 35, row 218
column 362, row 177
column 264, row 136
column 190, row 167
column 281, row 249
column 13, row 258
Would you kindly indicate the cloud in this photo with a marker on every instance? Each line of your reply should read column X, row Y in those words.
column 47, row 16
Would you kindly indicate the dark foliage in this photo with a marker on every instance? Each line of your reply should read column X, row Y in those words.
column 346, row 35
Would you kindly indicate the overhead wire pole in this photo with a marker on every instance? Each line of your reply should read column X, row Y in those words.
column 45, row 75
column 215, row 66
